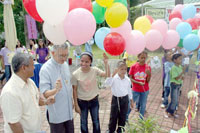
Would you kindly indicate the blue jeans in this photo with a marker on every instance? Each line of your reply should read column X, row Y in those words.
column 166, row 95
column 141, row 98
column 7, row 72
column 174, row 98
column 93, row 107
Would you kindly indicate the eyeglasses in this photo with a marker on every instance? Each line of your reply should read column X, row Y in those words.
column 63, row 56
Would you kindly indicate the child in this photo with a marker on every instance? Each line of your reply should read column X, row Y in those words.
column 85, row 90
column 121, row 90
column 167, row 67
column 140, row 75
column 43, row 52
column 176, row 79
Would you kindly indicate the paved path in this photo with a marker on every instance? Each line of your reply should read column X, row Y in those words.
column 153, row 107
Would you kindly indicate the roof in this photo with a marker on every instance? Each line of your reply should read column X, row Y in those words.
column 168, row 3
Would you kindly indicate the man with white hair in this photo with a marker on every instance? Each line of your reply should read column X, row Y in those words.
column 56, row 71
column 20, row 98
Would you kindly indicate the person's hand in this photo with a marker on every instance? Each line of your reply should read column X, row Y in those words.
column 77, row 109
column 147, row 71
column 141, row 83
column 50, row 100
column 58, row 85
column 184, row 68
column 132, row 104
column 46, row 58
column 105, row 58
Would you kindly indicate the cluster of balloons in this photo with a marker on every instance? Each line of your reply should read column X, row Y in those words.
column 185, row 20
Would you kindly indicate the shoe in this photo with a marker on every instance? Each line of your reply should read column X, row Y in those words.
column 175, row 115
column 162, row 106
column 166, row 115
column 177, row 108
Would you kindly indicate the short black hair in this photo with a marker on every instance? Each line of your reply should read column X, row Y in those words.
column 143, row 52
column 176, row 56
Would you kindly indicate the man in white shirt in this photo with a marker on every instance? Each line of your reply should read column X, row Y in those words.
column 20, row 98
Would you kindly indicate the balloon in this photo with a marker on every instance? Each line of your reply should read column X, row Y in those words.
column 171, row 40
column 52, row 11
column 55, row 34
column 135, row 43
column 124, row 30
column 197, row 21
column 173, row 23
column 114, row 44
column 183, row 29
column 188, row 12
column 87, row 4
column 197, row 15
column 116, row 15
column 124, row 2
column 142, row 24
column 161, row 26
column 191, row 42
column 199, row 33
column 180, row 44
column 150, row 18
column 154, row 39
column 100, row 35
column 195, row 32
column 105, row 3
column 178, row 8
column 192, row 23
column 175, row 14
column 98, row 12
column 30, row 7
column 79, row 26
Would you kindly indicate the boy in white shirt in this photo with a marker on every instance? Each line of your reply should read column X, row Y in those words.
column 121, row 90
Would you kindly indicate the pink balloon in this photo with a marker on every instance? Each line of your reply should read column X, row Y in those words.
column 171, row 40
column 123, row 30
column 174, row 22
column 178, row 8
column 79, row 26
column 161, row 26
column 135, row 42
column 154, row 39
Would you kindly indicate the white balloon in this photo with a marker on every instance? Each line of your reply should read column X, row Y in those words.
column 52, row 11
column 55, row 34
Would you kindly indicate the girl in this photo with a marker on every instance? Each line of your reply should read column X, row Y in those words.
column 85, row 90
column 20, row 48
column 32, row 50
column 43, row 52
column 140, row 74
column 176, row 79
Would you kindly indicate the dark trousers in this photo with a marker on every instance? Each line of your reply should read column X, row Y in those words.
column 119, row 108
column 64, row 127
column 93, row 107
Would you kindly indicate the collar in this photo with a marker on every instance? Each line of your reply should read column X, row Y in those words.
column 55, row 63
column 20, row 82
column 117, row 76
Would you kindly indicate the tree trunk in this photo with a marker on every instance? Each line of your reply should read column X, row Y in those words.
column 178, row 2
column 129, row 13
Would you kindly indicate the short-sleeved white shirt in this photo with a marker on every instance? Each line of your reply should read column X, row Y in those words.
column 20, row 103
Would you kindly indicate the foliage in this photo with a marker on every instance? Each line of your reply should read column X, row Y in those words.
column 148, row 125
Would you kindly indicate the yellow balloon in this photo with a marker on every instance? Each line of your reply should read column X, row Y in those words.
column 142, row 24
column 104, row 3
column 116, row 15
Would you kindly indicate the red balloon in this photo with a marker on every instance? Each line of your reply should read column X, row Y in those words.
column 193, row 23
column 175, row 14
column 87, row 4
column 197, row 21
column 30, row 6
column 150, row 18
column 114, row 44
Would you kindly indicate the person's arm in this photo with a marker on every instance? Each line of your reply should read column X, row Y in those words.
column 53, row 92
column 107, row 67
column 148, row 72
column 16, row 127
column 43, row 101
column 137, row 82
column 75, row 96
column 2, row 61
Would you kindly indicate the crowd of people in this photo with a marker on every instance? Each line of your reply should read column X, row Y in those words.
column 61, row 91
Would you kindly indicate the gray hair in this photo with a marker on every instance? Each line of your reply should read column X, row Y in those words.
column 20, row 59
column 62, row 46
